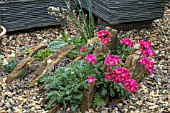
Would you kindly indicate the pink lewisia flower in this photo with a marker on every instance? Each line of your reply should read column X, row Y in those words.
column 91, row 79
column 131, row 85
column 115, row 77
column 148, row 52
column 82, row 49
column 122, row 74
column 91, row 58
column 112, row 60
column 106, row 40
column 103, row 34
column 109, row 76
column 148, row 64
column 128, row 42
column 145, row 45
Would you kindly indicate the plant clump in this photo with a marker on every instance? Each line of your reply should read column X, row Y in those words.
column 106, row 71
column 56, row 45
column 10, row 66
column 42, row 54
column 67, row 84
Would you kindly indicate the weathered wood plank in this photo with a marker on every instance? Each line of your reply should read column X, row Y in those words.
column 25, row 14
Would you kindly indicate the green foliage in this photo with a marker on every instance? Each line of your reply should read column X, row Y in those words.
column 74, row 53
column 87, row 29
column 67, row 85
column 98, row 101
column 56, row 45
column 42, row 54
column 110, row 89
column 65, row 38
column 123, row 51
column 28, row 51
column 10, row 66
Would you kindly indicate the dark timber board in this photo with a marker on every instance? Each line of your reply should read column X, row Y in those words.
column 24, row 14
column 115, row 12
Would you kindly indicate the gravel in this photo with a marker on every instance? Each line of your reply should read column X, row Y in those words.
column 154, row 90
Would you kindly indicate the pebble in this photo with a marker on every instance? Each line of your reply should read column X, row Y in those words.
column 120, row 105
column 153, row 107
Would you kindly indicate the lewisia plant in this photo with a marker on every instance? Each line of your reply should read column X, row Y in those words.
column 105, row 36
column 114, row 70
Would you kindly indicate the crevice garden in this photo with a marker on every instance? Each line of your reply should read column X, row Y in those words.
column 89, row 70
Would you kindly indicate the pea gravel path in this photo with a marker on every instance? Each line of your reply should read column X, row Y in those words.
column 154, row 93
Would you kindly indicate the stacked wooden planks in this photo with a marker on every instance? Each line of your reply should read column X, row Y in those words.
column 116, row 12
column 24, row 14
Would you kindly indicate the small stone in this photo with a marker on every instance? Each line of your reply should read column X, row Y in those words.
column 33, row 108
column 40, row 38
column 8, row 105
column 150, row 99
column 122, row 111
column 116, row 109
column 153, row 107
column 139, row 103
column 120, row 105
column 159, row 83
column 165, row 92
column 132, row 111
column 152, row 93
column 132, row 107
column 113, row 112
column 125, row 102
column 25, row 111
column 34, row 98
column 9, row 111
column 125, row 107
column 1, row 104
column 41, row 99
column 137, row 111
column 44, row 41
column 149, row 103
column 145, row 91
column 149, row 83
column 26, row 107
column 104, row 111
column 37, row 107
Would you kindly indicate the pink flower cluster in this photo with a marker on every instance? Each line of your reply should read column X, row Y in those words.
column 148, row 52
column 82, row 49
column 123, row 75
column 148, row 64
column 105, row 36
column 128, row 42
column 91, row 58
column 131, row 85
column 91, row 79
column 144, row 45
column 120, row 75
column 112, row 60
column 106, row 40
